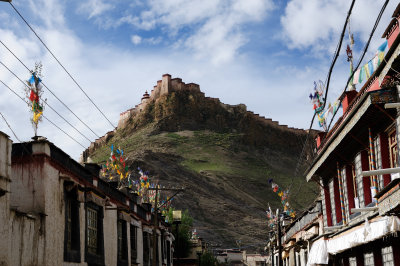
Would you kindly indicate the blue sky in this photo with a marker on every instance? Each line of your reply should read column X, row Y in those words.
column 263, row 53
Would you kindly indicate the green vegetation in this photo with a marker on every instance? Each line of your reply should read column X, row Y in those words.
column 208, row 259
column 182, row 237
column 223, row 156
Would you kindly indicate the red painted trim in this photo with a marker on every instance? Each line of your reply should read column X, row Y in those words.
column 392, row 36
column 366, row 180
column 328, row 206
column 338, row 208
column 350, row 187
column 374, row 86
column 383, row 138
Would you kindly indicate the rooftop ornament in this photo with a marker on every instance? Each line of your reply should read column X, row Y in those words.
column 34, row 92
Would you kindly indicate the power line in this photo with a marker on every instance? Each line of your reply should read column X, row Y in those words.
column 42, row 115
column 5, row 120
column 364, row 52
column 336, row 55
column 47, row 103
column 61, row 64
column 44, row 85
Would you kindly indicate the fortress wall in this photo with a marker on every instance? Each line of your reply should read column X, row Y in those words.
column 167, row 85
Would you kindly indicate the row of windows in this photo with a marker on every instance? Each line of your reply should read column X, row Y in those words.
column 359, row 193
column 94, row 252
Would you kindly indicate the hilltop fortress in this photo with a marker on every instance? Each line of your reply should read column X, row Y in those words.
column 166, row 86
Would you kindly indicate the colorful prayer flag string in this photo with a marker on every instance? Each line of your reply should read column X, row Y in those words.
column 284, row 195
column 33, row 93
column 365, row 72
column 116, row 168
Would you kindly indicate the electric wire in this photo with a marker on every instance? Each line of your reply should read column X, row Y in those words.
column 336, row 55
column 44, row 85
column 363, row 54
column 58, row 61
column 46, row 103
column 8, row 125
column 351, row 76
column 327, row 82
column 43, row 115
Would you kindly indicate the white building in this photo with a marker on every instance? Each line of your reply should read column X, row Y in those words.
column 54, row 211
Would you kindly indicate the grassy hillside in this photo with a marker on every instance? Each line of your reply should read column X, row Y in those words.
column 226, row 180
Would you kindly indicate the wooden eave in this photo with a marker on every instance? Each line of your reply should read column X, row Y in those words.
column 396, row 12
column 392, row 23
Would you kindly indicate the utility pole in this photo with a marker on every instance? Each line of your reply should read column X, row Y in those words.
column 280, row 262
column 156, row 208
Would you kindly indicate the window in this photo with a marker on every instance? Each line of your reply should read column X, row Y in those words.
column 94, row 234
column 146, row 248
column 352, row 261
column 359, row 179
column 387, row 256
column 133, row 233
column 332, row 197
column 72, row 251
column 92, row 222
column 168, row 253
column 122, row 243
column 369, row 259
column 393, row 149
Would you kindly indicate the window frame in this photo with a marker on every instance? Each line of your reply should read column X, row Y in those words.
column 393, row 149
column 122, row 242
column 72, row 239
column 96, row 258
column 134, row 250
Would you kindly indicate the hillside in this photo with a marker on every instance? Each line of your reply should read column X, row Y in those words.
column 223, row 155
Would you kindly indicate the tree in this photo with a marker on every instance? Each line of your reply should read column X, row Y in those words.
column 182, row 243
column 208, row 259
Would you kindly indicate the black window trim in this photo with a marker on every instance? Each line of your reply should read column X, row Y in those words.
column 73, row 254
column 90, row 258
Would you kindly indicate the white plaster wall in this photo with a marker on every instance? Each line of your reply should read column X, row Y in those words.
column 110, row 237
column 55, row 215
column 5, row 175
column 26, row 242
column 140, row 244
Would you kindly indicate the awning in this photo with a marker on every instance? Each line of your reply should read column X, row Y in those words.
column 367, row 232
column 362, row 234
column 318, row 253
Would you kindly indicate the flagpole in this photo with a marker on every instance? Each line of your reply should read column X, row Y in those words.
column 349, row 51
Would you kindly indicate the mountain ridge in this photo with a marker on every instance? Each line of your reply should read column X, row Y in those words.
column 222, row 153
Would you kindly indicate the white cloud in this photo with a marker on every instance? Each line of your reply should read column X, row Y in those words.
column 317, row 24
column 136, row 39
column 211, row 28
column 51, row 12
column 94, row 8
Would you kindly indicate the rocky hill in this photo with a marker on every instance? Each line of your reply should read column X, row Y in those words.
column 222, row 154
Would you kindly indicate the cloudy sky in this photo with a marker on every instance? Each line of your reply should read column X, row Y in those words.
column 263, row 53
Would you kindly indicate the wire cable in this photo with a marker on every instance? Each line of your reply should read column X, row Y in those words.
column 363, row 54
column 46, row 103
column 47, row 48
column 42, row 115
column 336, row 55
column 44, row 85
column 5, row 120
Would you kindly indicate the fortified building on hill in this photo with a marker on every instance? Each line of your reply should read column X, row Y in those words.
column 166, row 86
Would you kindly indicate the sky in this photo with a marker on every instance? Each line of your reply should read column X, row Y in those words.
column 262, row 53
